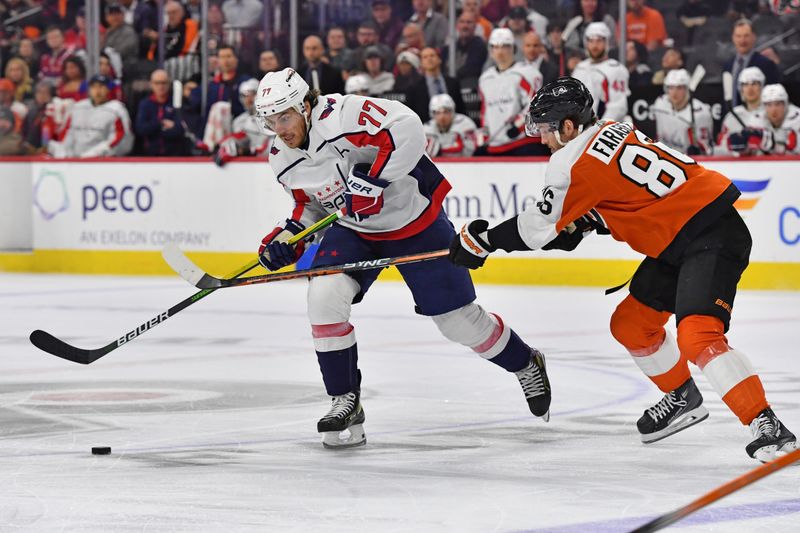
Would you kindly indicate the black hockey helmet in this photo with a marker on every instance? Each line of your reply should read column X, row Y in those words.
column 562, row 98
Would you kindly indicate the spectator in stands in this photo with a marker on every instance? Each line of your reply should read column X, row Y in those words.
column 180, row 34
column 535, row 55
column 390, row 27
column 51, row 65
column 357, row 84
column 339, row 55
column 781, row 122
column 433, row 82
column 556, row 49
column 37, row 115
column 97, row 126
column 636, row 61
column 494, row 10
column 413, row 38
column 19, row 109
column 408, row 75
column 537, row 21
column 744, row 41
column 471, row 51
column 517, row 22
column 318, row 74
column 224, row 87
column 269, row 61
column 449, row 134
column 740, row 125
column 586, row 12
column 27, row 52
column 367, row 37
column 645, row 25
column 110, row 66
column 71, row 85
column 121, row 36
column 243, row 13
column 144, row 22
column 744, row 9
column 157, row 122
column 671, row 60
column 687, row 129
column 433, row 24
column 11, row 142
column 76, row 35
column 693, row 14
column 483, row 27
column 380, row 81
column 17, row 72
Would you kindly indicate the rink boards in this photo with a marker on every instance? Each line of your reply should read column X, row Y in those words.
column 113, row 217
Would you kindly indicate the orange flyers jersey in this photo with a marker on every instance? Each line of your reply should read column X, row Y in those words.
column 644, row 190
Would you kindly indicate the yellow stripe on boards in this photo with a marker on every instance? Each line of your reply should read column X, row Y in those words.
column 498, row 270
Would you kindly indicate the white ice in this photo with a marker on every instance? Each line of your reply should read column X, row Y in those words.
column 212, row 418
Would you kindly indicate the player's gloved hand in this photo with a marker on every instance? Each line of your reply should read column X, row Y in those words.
column 227, row 151
column 592, row 221
column 694, row 150
column 275, row 252
column 364, row 195
column 737, row 142
column 767, row 144
column 468, row 248
column 515, row 129
column 570, row 237
column 432, row 146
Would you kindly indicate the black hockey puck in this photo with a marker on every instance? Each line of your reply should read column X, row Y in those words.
column 101, row 450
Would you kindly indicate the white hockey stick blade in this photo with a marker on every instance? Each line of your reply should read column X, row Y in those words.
column 697, row 77
column 727, row 86
column 182, row 265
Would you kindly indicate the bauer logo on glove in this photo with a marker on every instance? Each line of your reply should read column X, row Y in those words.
column 364, row 196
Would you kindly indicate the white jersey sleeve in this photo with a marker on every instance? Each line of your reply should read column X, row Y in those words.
column 677, row 129
column 784, row 138
column 608, row 83
column 458, row 141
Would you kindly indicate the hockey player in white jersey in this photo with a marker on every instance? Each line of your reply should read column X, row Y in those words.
column 688, row 129
column 448, row 134
column 96, row 126
column 781, row 122
column 247, row 137
column 505, row 90
column 606, row 78
column 745, row 116
column 367, row 155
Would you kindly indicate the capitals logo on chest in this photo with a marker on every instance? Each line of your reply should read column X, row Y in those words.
column 330, row 196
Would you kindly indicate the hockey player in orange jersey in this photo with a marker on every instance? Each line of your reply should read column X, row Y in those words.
column 677, row 213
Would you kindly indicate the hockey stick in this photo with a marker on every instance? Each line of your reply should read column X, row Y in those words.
column 694, row 81
column 720, row 492
column 727, row 91
column 195, row 275
column 55, row 346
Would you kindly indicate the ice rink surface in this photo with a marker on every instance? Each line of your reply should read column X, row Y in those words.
column 212, row 418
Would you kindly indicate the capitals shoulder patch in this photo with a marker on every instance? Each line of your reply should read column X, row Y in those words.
column 328, row 108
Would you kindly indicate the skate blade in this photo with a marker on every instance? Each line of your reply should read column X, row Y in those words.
column 349, row 438
column 770, row 453
column 546, row 416
column 687, row 420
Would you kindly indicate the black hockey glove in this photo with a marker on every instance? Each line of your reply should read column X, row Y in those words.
column 694, row 150
column 468, row 249
column 570, row 237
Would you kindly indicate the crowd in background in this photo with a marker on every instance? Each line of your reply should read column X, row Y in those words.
column 505, row 50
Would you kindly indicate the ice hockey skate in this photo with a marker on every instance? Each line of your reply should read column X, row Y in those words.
column 772, row 439
column 535, row 385
column 677, row 410
column 343, row 426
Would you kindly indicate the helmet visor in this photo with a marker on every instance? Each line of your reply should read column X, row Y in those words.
column 537, row 129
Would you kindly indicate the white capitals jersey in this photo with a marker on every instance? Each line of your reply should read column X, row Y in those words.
column 674, row 128
column 784, row 137
column 95, row 131
column 458, row 141
column 351, row 129
column 505, row 97
column 250, row 136
column 607, row 80
column 730, row 124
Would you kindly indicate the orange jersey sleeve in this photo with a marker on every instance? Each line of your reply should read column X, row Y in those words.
column 645, row 191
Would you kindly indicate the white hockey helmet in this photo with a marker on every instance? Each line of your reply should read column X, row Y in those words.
column 751, row 75
column 247, row 87
column 441, row 101
column 501, row 37
column 677, row 78
column 279, row 91
column 774, row 93
column 597, row 30
column 357, row 83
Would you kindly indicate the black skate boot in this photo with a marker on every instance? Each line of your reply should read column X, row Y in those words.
column 343, row 426
column 772, row 439
column 677, row 410
column 535, row 385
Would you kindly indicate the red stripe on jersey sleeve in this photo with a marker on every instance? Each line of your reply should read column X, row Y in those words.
column 301, row 199
column 119, row 132
column 525, row 86
column 382, row 140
